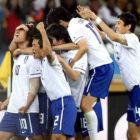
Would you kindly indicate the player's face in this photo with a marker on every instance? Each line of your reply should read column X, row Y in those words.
column 56, row 42
column 20, row 36
column 120, row 28
column 36, row 49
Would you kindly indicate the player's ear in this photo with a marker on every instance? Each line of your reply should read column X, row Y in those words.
column 60, row 22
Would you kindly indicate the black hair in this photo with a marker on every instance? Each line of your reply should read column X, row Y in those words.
column 40, row 41
column 31, row 32
column 128, row 18
column 59, row 32
column 56, row 14
column 39, row 38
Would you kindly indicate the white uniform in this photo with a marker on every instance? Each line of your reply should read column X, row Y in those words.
column 128, row 59
column 53, row 79
column 24, row 68
column 97, row 54
column 77, row 87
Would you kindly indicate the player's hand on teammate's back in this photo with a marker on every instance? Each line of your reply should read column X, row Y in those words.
column 60, row 58
column 2, row 105
column 22, row 110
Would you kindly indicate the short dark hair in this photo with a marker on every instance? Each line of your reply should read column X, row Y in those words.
column 56, row 14
column 39, row 38
column 129, row 18
column 59, row 32
column 40, row 41
column 31, row 32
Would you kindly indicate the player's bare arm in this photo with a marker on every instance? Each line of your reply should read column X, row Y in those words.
column 83, row 48
column 110, row 33
column 46, row 43
column 34, row 86
column 67, row 46
column 72, row 74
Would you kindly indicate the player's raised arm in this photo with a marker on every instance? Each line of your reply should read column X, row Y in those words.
column 110, row 33
column 46, row 43
column 86, row 14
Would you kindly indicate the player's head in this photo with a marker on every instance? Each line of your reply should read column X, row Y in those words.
column 58, row 34
column 37, row 45
column 126, row 22
column 58, row 15
column 22, row 35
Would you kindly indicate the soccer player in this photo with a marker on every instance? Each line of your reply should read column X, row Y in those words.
column 101, row 66
column 127, row 55
column 77, row 76
column 23, row 109
column 63, row 107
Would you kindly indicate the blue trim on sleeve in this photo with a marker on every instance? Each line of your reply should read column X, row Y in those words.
column 78, row 38
column 35, row 74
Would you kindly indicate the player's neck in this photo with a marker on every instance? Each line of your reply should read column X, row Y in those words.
column 23, row 45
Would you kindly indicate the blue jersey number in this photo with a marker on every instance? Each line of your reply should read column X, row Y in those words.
column 90, row 26
column 17, row 69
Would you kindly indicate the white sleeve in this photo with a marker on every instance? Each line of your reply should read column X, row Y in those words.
column 75, row 33
column 131, row 40
column 34, row 67
column 81, row 64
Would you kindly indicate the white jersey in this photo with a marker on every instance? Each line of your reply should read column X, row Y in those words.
column 77, row 87
column 24, row 68
column 128, row 59
column 54, row 80
column 97, row 54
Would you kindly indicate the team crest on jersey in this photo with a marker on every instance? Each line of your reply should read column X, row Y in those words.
column 26, row 58
column 81, row 21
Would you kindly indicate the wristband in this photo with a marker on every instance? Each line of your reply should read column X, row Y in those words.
column 98, row 20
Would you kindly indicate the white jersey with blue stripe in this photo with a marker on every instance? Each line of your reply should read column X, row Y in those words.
column 54, row 80
column 97, row 54
column 24, row 68
column 77, row 87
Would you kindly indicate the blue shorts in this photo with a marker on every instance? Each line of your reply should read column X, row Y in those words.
column 64, row 115
column 21, row 125
column 133, row 110
column 81, row 126
column 100, row 80
column 44, row 112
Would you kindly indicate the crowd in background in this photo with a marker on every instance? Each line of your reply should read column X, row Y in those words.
column 15, row 12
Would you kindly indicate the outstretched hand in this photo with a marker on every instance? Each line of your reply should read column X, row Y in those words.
column 86, row 13
column 82, row 12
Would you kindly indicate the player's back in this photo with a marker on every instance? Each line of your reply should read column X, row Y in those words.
column 77, row 87
column 97, row 53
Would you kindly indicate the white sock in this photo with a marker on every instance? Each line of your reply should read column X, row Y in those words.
column 92, row 122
